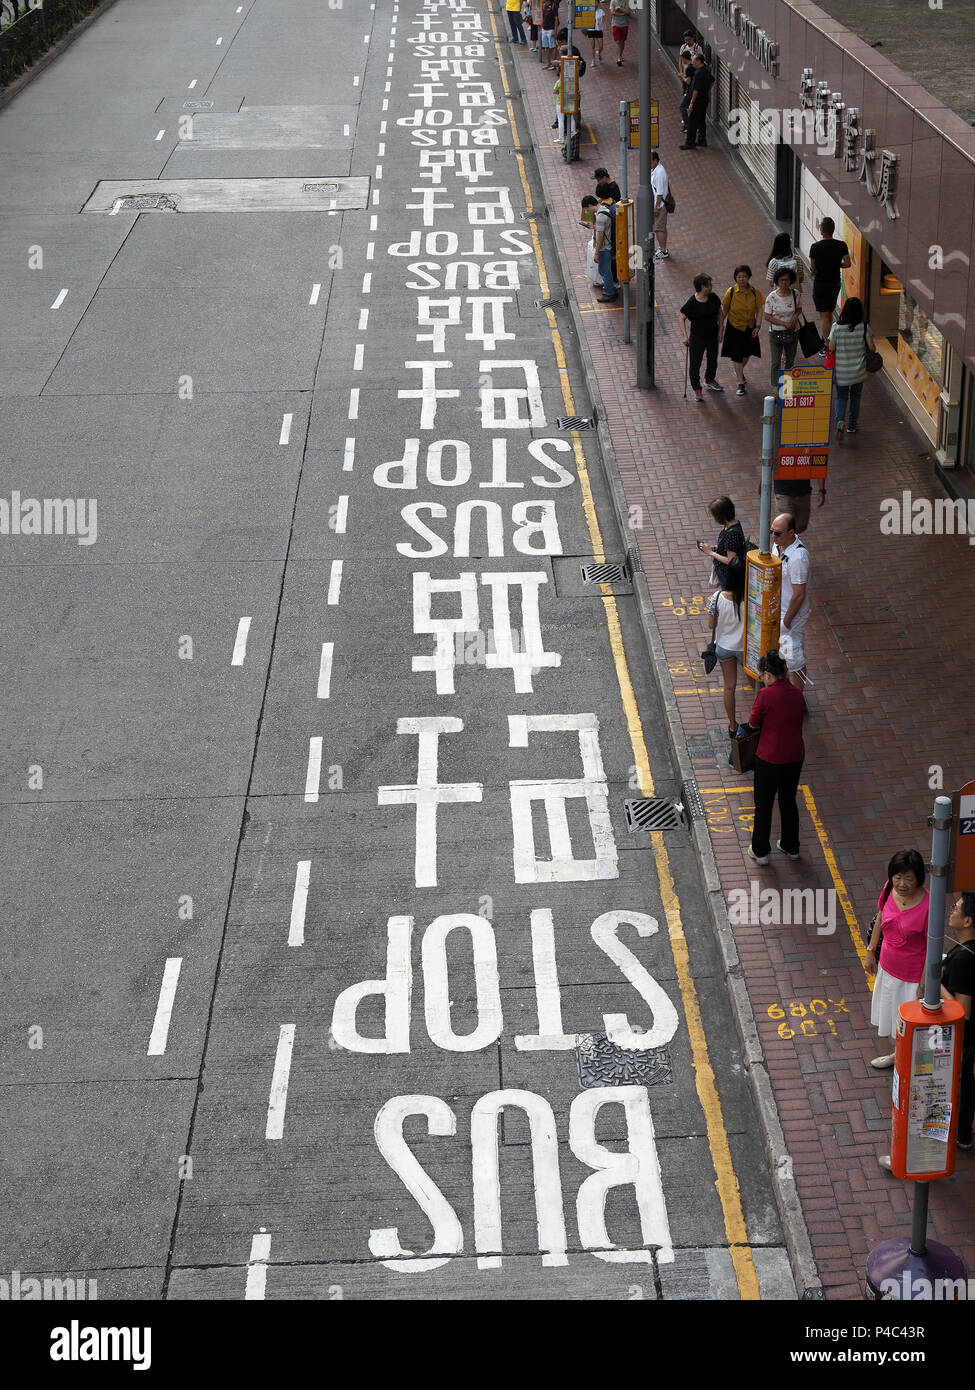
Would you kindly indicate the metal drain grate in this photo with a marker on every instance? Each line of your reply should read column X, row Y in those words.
column 197, row 105
column 319, row 188
column 691, row 798
column 551, row 303
column 147, row 202
column 654, row 813
column 604, row 574
column 602, row 1063
column 576, row 422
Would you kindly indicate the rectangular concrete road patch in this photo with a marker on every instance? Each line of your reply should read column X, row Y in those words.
column 272, row 128
column 314, row 194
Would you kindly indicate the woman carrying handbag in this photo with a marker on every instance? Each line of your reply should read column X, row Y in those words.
column 898, row 945
column 851, row 340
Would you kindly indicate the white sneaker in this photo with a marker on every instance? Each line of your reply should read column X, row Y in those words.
column 883, row 1063
column 884, row 1161
column 758, row 858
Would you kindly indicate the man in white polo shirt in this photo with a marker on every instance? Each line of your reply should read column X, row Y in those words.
column 795, row 605
column 660, row 186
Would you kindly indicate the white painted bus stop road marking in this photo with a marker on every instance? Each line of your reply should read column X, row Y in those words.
column 257, row 1266
column 334, row 583
column 316, row 290
column 313, row 776
column 299, row 903
column 161, row 134
column 60, row 299
column 164, row 1009
column 240, row 642
column 278, row 1099
column 285, row 429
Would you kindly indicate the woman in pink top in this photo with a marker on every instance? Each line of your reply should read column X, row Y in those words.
column 902, row 922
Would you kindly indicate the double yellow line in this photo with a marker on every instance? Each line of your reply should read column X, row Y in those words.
column 726, row 1180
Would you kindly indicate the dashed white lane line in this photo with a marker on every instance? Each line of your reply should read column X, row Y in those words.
column 299, row 903
column 381, row 150
column 342, row 514
column 389, row 70
column 164, row 1008
column 313, row 775
column 360, row 352
column 355, row 80
column 316, row 290
column 60, row 299
column 385, row 103
column 334, row 585
column 192, row 85
column 354, row 403
column 285, row 429
column 345, row 131
column 367, row 282
column 219, row 41
column 387, row 88
column 382, row 127
column 370, row 250
column 257, row 1266
column 364, row 314
column 161, row 134
column 325, row 671
column 347, row 461
column 375, row 197
column 379, row 171
column 278, row 1099
column 240, row 642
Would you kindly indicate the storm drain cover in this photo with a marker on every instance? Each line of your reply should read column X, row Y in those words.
column 576, row 422
column 604, row 574
column 147, row 202
column 654, row 813
column 691, row 798
column 602, row 1063
column 231, row 195
column 559, row 303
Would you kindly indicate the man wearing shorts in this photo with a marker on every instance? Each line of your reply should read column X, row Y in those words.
column 826, row 259
column 660, row 187
column 619, row 12
column 795, row 605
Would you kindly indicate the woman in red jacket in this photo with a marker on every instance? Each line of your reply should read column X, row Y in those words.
column 778, row 711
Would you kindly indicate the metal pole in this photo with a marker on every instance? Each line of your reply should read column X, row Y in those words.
column 645, row 377
column 569, row 121
column 937, row 895
column 765, row 507
column 919, row 1219
column 624, row 142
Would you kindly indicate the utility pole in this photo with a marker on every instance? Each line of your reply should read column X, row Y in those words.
column 645, row 375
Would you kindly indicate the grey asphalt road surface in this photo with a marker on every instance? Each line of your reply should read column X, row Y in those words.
column 333, row 967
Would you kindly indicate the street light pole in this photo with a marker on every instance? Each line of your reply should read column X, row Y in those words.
column 644, row 225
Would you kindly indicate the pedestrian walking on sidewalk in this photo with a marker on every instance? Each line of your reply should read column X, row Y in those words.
column 595, row 34
column 826, row 259
column 741, row 315
column 778, row 711
column 660, row 187
column 605, row 242
column 794, row 601
column 783, row 257
column 898, row 945
column 700, row 330
column 851, row 338
column 601, row 175
column 620, row 15
column 782, row 316
column 550, row 19
column 727, row 623
column 958, row 983
column 702, row 80
column 513, row 9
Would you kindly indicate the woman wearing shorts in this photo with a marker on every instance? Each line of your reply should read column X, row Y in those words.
column 727, row 624
column 619, row 13
column 595, row 34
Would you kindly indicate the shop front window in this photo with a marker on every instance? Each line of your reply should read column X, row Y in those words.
column 922, row 337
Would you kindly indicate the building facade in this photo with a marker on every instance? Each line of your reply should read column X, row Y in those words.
column 827, row 126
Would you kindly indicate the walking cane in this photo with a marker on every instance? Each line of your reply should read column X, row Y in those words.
column 686, row 351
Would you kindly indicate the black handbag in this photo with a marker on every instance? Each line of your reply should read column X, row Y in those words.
column 878, row 913
column 810, row 338
column 743, row 747
column 874, row 361
column 710, row 658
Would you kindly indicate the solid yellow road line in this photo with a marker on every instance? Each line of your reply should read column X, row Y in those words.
column 726, row 1181
column 834, row 873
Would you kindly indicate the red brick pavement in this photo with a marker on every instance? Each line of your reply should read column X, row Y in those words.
column 889, row 648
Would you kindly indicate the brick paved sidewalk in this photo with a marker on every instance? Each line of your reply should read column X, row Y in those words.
column 889, row 648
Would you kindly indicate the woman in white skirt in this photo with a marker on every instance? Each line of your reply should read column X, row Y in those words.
column 900, row 931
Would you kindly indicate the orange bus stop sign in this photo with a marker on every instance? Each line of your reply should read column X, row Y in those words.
column 963, row 840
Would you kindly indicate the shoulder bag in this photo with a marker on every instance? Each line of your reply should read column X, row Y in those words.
column 876, row 916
